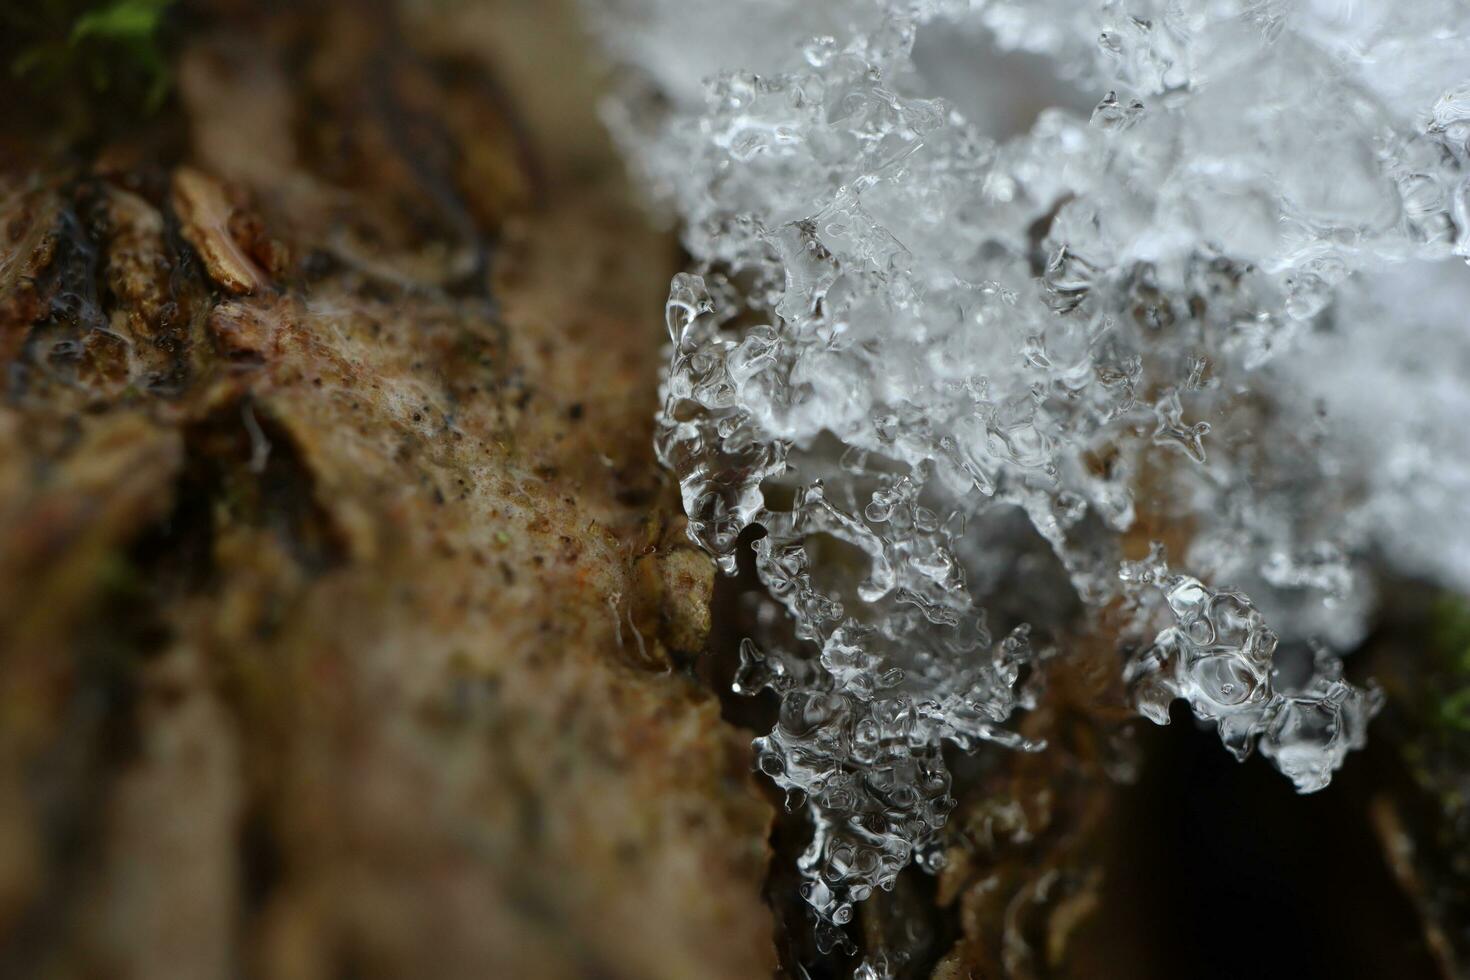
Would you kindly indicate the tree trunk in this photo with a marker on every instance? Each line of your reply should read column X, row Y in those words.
column 343, row 604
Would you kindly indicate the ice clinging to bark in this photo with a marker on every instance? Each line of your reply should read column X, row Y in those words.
column 978, row 282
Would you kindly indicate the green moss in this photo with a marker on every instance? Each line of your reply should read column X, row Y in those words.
column 119, row 577
column 98, row 63
column 1450, row 643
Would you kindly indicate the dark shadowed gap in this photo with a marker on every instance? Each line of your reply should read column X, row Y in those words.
column 1218, row 870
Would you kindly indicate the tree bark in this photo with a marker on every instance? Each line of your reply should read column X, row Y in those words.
column 342, row 604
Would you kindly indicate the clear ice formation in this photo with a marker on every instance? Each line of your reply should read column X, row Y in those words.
column 988, row 295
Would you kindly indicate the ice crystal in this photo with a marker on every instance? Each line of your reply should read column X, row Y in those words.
column 974, row 276
column 1219, row 655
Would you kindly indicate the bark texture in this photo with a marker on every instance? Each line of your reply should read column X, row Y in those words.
column 340, row 596
column 348, row 628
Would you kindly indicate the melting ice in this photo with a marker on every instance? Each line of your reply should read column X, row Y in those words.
column 989, row 297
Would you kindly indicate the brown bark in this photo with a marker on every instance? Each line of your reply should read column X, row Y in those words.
column 341, row 600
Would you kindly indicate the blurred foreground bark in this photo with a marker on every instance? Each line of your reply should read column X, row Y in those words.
column 339, row 590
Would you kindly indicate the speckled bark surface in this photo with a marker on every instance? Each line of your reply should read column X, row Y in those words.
column 342, row 601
